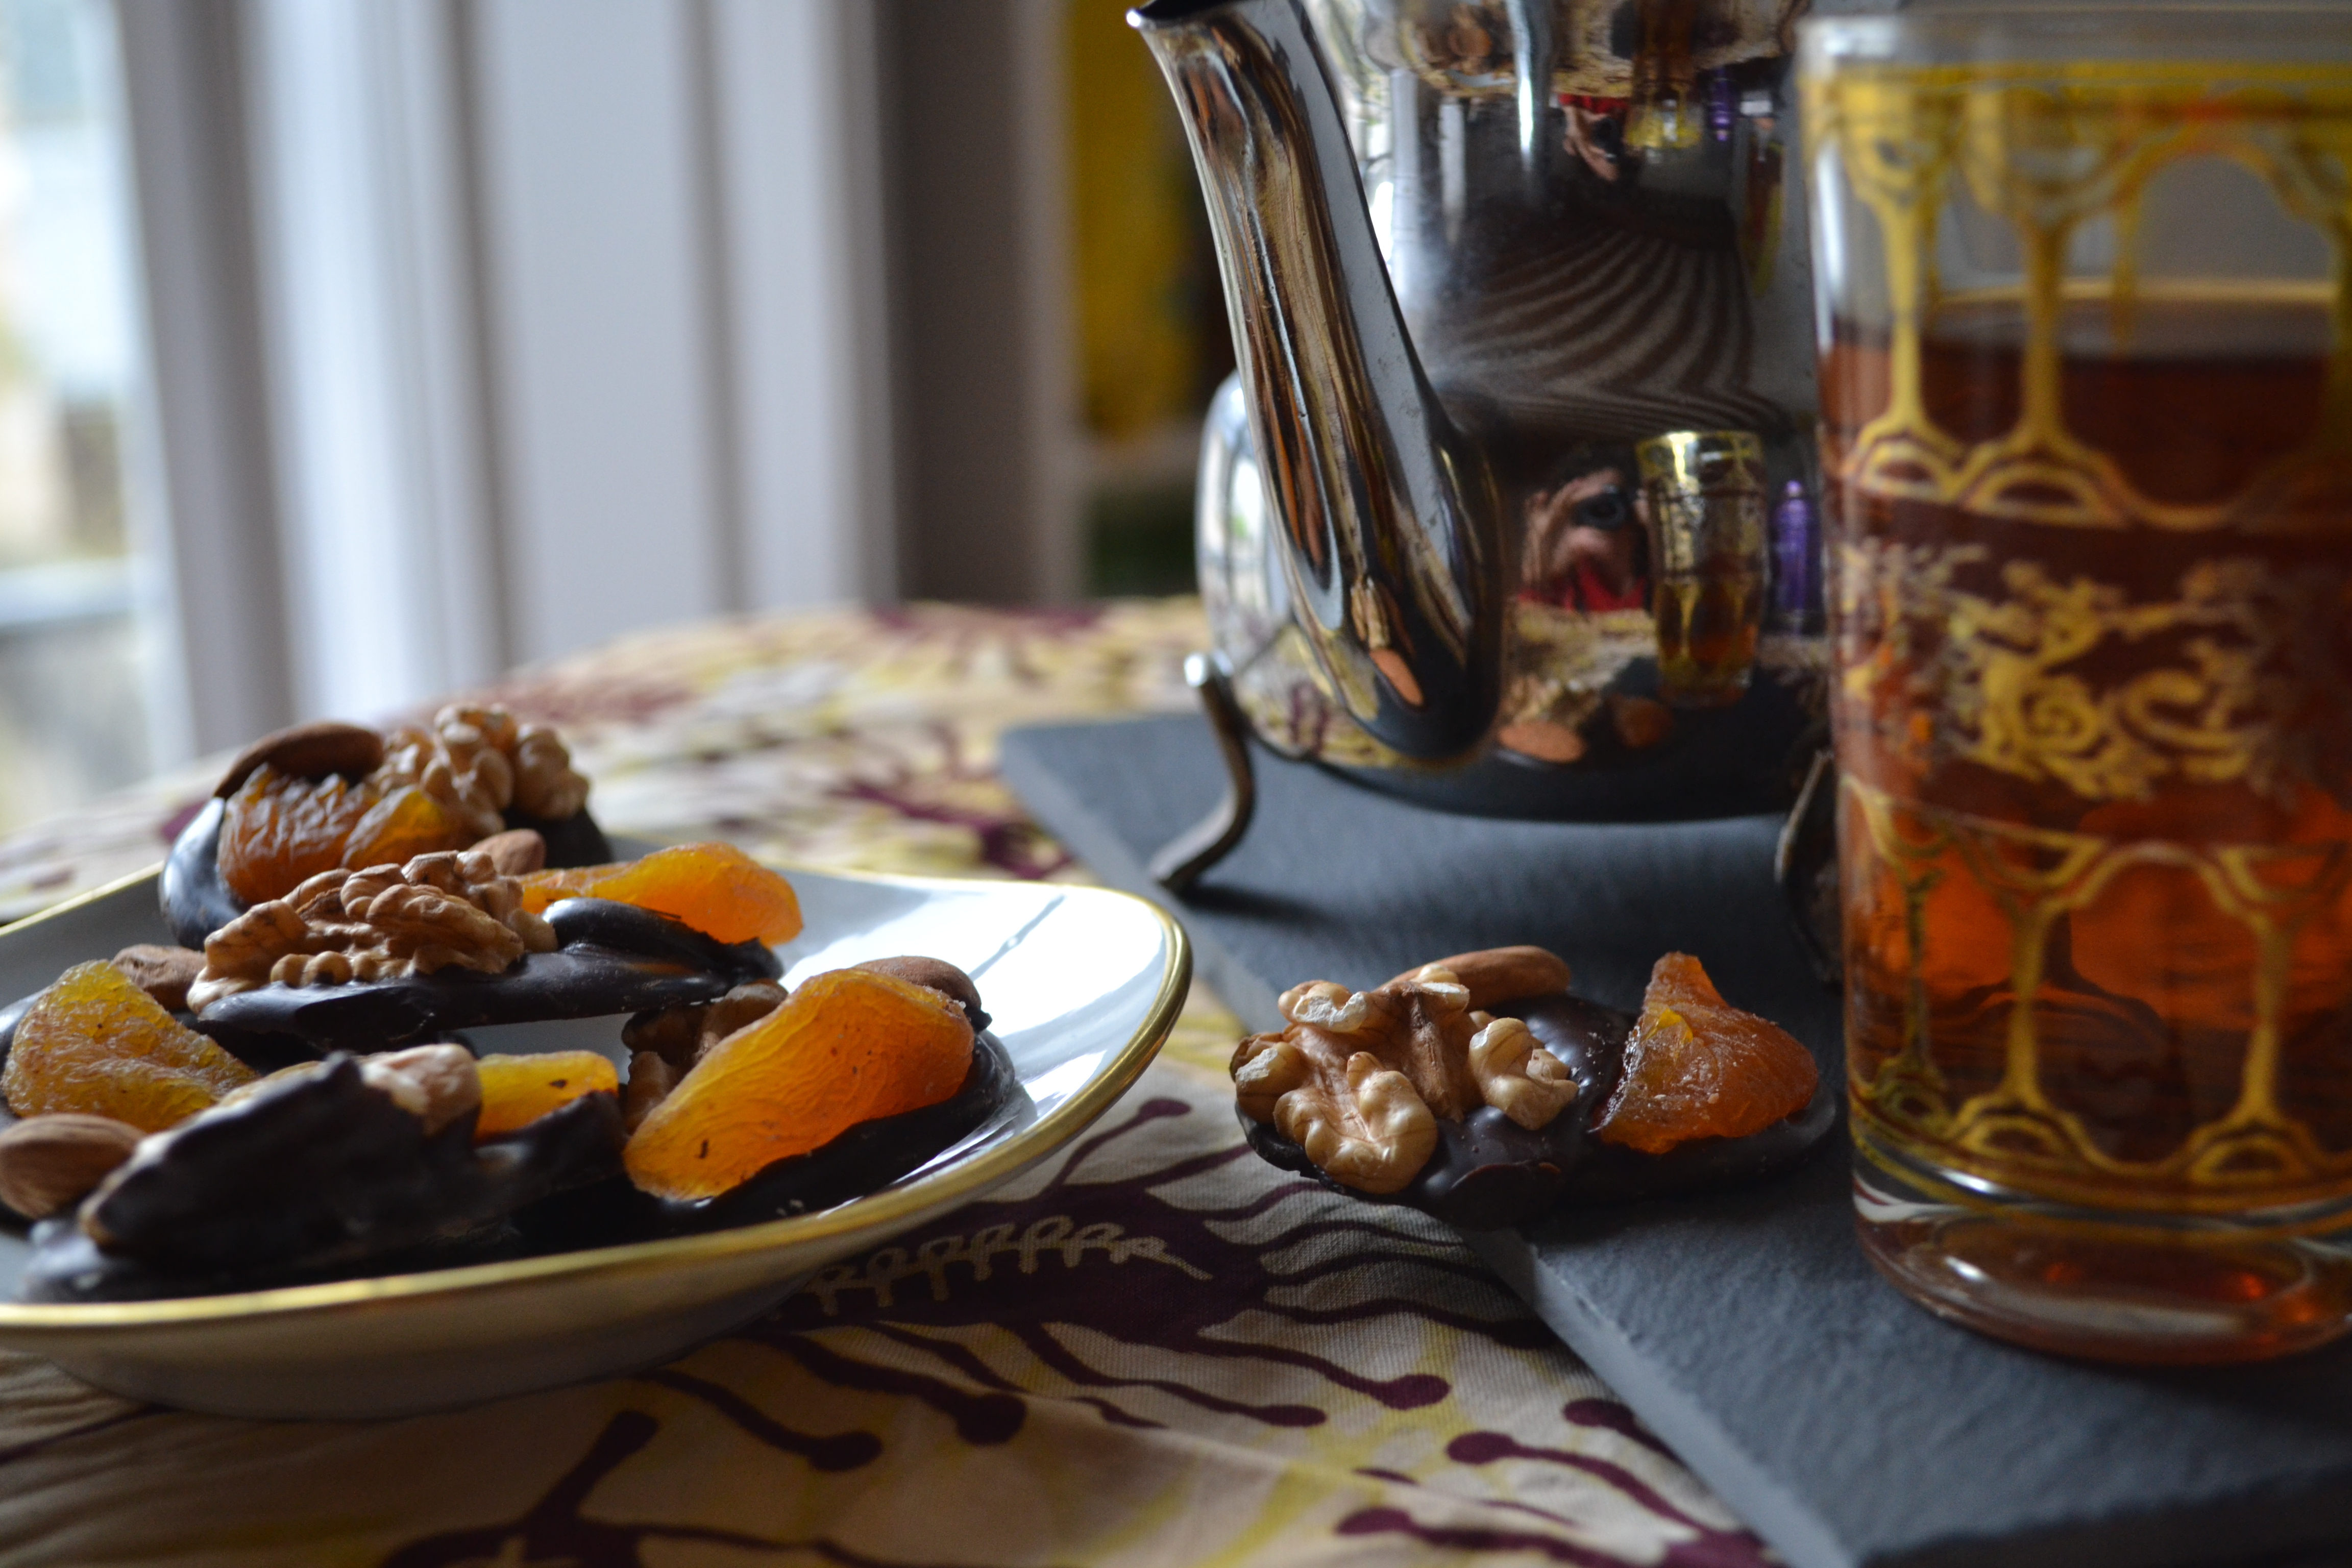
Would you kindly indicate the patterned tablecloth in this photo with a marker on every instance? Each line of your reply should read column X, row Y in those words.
column 1156, row 1349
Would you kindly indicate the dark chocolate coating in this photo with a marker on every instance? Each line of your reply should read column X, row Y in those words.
column 308, row 1173
column 1489, row 1173
column 67, row 1265
column 197, row 902
column 612, row 958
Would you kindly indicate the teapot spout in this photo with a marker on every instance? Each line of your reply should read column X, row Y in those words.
column 1390, row 523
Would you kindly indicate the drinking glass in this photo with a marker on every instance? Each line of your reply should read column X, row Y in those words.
column 2083, row 285
column 1709, row 550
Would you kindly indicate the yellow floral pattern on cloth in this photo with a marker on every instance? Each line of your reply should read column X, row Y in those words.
column 1156, row 1349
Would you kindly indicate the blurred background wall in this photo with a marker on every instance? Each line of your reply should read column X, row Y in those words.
column 353, row 350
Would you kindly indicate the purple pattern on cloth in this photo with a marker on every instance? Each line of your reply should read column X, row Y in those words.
column 1122, row 1259
column 1713, row 1550
column 557, row 1531
column 994, row 1266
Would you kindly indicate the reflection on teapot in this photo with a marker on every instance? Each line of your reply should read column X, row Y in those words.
column 1508, row 505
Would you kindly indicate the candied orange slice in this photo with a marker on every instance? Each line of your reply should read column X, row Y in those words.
column 715, row 887
column 1696, row 1067
column 518, row 1091
column 96, row 1044
column 848, row 1047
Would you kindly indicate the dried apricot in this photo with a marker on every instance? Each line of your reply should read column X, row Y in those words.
column 848, row 1047
column 1696, row 1067
column 402, row 825
column 96, row 1044
column 518, row 1091
column 715, row 887
column 279, row 831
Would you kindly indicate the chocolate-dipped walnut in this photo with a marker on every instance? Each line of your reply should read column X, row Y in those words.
column 1359, row 1080
column 609, row 957
column 1707, row 1093
column 387, row 922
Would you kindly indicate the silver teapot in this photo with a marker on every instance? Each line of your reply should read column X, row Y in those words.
column 1509, row 507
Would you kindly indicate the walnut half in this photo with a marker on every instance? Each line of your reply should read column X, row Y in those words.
column 1363, row 1124
column 1360, row 1078
column 386, row 923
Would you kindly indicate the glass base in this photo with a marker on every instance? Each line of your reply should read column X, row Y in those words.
column 2080, row 1282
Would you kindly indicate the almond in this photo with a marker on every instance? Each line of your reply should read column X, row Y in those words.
column 48, row 1163
column 517, row 852
column 309, row 751
column 164, row 972
column 939, row 976
column 1499, row 975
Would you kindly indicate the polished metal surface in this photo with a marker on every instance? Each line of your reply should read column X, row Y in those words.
column 1389, row 514
column 1475, row 252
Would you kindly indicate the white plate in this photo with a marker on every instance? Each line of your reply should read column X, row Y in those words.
column 1082, row 984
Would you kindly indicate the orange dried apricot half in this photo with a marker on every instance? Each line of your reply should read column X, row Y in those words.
column 715, row 887
column 1696, row 1067
column 96, row 1044
column 848, row 1047
column 518, row 1091
column 278, row 831
column 401, row 825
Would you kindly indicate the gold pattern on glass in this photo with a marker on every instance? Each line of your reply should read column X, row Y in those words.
column 1996, row 679
column 2254, row 1156
column 2050, row 148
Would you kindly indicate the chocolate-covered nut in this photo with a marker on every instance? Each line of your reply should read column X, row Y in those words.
column 610, row 958
column 937, row 975
column 1488, row 1174
column 673, row 1034
column 322, row 1165
column 309, row 751
column 164, row 972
